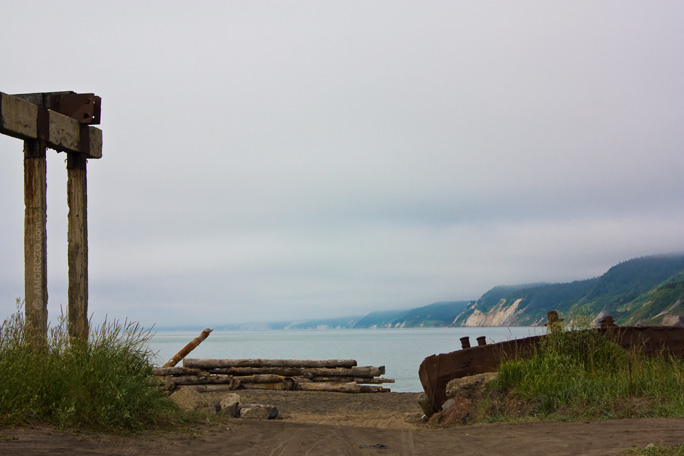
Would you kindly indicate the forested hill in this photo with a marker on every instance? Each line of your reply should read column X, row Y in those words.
column 432, row 315
column 647, row 290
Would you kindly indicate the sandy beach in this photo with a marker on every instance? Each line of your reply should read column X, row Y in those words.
column 352, row 424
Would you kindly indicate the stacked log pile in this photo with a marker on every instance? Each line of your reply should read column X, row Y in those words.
column 274, row 374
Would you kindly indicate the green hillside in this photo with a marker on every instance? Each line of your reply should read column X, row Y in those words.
column 654, row 306
column 645, row 290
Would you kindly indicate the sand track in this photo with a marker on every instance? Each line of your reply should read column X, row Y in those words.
column 350, row 425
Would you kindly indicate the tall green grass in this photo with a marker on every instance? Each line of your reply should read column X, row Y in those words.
column 582, row 374
column 103, row 384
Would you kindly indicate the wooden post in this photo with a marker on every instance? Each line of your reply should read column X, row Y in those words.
column 77, row 237
column 35, row 238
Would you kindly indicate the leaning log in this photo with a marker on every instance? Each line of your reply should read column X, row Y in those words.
column 185, row 351
column 219, row 363
column 350, row 387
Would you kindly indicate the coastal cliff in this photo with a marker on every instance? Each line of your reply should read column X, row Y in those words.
column 647, row 290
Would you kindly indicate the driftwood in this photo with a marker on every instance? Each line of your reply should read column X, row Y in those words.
column 300, row 363
column 272, row 374
column 350, row 387
column 356, row 371
column 185, row 351
column 203, row 379
column 206, row 388
column 369, row 380
column 269, row 386
column 175, row 371
column 239, row 371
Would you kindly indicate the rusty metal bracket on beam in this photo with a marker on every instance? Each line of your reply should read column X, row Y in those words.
column 84, row 107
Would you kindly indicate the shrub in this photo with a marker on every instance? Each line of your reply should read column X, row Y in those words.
column 583, row 374
column 103, row 383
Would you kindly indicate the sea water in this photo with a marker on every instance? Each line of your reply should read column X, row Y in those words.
column 400, row 350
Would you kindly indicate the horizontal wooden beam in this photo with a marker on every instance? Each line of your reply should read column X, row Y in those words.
column 24, row 120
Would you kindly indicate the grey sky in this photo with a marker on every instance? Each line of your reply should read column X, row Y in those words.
column 268, row 160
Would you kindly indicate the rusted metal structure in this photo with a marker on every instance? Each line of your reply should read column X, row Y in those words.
column 437, row 370
column 61, row 121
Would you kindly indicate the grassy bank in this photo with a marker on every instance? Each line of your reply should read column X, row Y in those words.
column 102, row 384
column 579, row 374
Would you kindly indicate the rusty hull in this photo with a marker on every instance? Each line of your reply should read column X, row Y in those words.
column 437, row 370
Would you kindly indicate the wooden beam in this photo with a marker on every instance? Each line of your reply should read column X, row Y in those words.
column 77, row 250
column 35, row 238
column 25, row 120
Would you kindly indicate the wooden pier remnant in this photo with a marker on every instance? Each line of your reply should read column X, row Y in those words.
column 60, row 121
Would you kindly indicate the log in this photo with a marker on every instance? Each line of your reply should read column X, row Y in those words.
column 331, row 387
column 267, row 386
column 357, row 371
column 240, row 371
column 360, row 380
column 302, row 363
column 374, row 389
column 206, row 388
column 360, row 371
column 188, row 348
column 174, row 371
column 262, row 378
column 205, row 380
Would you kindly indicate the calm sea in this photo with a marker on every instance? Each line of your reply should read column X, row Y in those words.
column 400, row 350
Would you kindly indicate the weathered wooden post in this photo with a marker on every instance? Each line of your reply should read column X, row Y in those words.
column 77, row 238
column 35, row 237
column 60, row 121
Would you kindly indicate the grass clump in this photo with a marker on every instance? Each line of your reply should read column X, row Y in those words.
column 581, row 374
column 677, row 450
column 101, row 384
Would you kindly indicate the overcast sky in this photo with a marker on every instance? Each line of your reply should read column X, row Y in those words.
column 276, row 160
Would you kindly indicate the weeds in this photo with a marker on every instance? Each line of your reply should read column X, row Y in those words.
column 579, row 374
column 102, row 384
column 677, row 450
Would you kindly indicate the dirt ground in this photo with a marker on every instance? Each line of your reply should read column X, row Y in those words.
column 314, row 423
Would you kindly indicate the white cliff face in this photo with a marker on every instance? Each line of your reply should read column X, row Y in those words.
column 499, row 315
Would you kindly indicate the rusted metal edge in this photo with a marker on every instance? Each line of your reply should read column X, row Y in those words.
column 436, row 371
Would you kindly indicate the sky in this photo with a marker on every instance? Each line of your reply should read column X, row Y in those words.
column 279, row 160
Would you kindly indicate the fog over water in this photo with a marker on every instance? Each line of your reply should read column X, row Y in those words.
column 271, row 161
